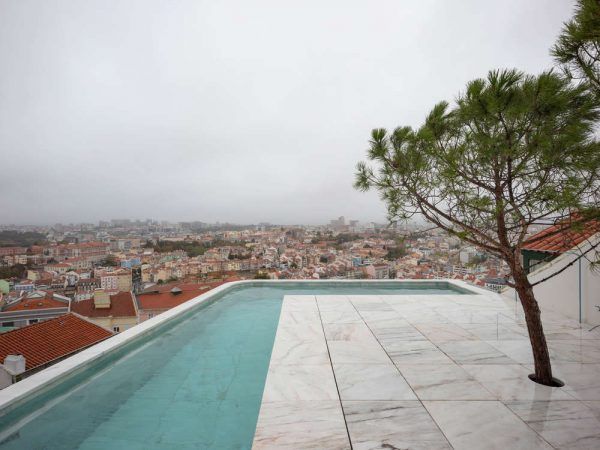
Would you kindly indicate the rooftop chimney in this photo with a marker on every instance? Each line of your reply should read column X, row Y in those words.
column 14, row 364
column 101, row 299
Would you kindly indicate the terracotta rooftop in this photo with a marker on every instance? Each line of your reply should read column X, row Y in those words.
column 46, row 302
column 559, row 239
column 160, row 296
column 167, row 300
column 47, row 341
column 121, row 305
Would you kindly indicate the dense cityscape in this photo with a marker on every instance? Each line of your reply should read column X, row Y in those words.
column 319, row 225
column 125, row 259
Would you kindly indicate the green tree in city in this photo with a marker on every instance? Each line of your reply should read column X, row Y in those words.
column 110, row 261
column 578, row 47
column 262, row 275
column 515, row 150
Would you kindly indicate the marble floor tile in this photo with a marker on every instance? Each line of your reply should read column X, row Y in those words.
column 462, row 316
column 582, row 381
column 511, row 383
column 299, row 383
column 340, row 316
column 301, row 425
column 577, row 351
column 392, row 425
column 415, row 352
column 399, row 300
column 496, row 331
column 594, row 405
column 444, row 332
column 474, row 352
column 397, row 333
column 299, row 303
column 369, row 303
column 463, row 356
column 296, row 351
column 483, row 425
column 517, row 350
column 388, row 322
column 301, row 319
column 423, row 317
column 371, row 382
column 357, row 332
column 376, row 315
column 311, row 331
column 556, row 331
column 443, row 382
column 334, row 303
column 366, row 352
column 563, row 424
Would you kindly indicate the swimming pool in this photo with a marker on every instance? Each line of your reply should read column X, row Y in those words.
column 194, row 383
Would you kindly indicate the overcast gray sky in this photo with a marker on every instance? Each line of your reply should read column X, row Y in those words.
column 239, row 111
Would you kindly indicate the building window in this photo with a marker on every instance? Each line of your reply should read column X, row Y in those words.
column 32, row 321
column 116, row 329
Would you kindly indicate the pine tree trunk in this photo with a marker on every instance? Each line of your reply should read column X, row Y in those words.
column 541, row 357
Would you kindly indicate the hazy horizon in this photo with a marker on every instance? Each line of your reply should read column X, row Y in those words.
column 239, row 112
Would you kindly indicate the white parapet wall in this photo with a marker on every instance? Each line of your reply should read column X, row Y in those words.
column 575, row 292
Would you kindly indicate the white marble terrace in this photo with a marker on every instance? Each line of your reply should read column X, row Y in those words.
column 424, row 372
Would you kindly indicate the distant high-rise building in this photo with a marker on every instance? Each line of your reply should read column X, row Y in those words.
column 338, row 223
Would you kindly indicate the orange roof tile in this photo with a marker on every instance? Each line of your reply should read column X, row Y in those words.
column 47, row 341
column 560, row 238
column 121, row 305
column 160, row 296
column 27, row 304
column 167, row 300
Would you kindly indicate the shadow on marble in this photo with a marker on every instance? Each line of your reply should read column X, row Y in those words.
column 357, row 332
column 582, row 381
column 563, row 424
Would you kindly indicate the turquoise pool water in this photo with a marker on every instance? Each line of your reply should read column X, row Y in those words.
column 195, row 385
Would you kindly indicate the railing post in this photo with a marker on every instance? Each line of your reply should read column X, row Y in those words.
column 579, row 276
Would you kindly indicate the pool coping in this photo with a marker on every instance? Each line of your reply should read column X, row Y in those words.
column 16, row 394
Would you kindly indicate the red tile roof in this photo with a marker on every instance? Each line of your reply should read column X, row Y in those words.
column 560, row 238
column 44, row 342
column 167, row 300
column 28, row 304
column 121, row 305
column 160, row 296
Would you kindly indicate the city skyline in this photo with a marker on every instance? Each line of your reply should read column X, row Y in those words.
column 231, row 112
